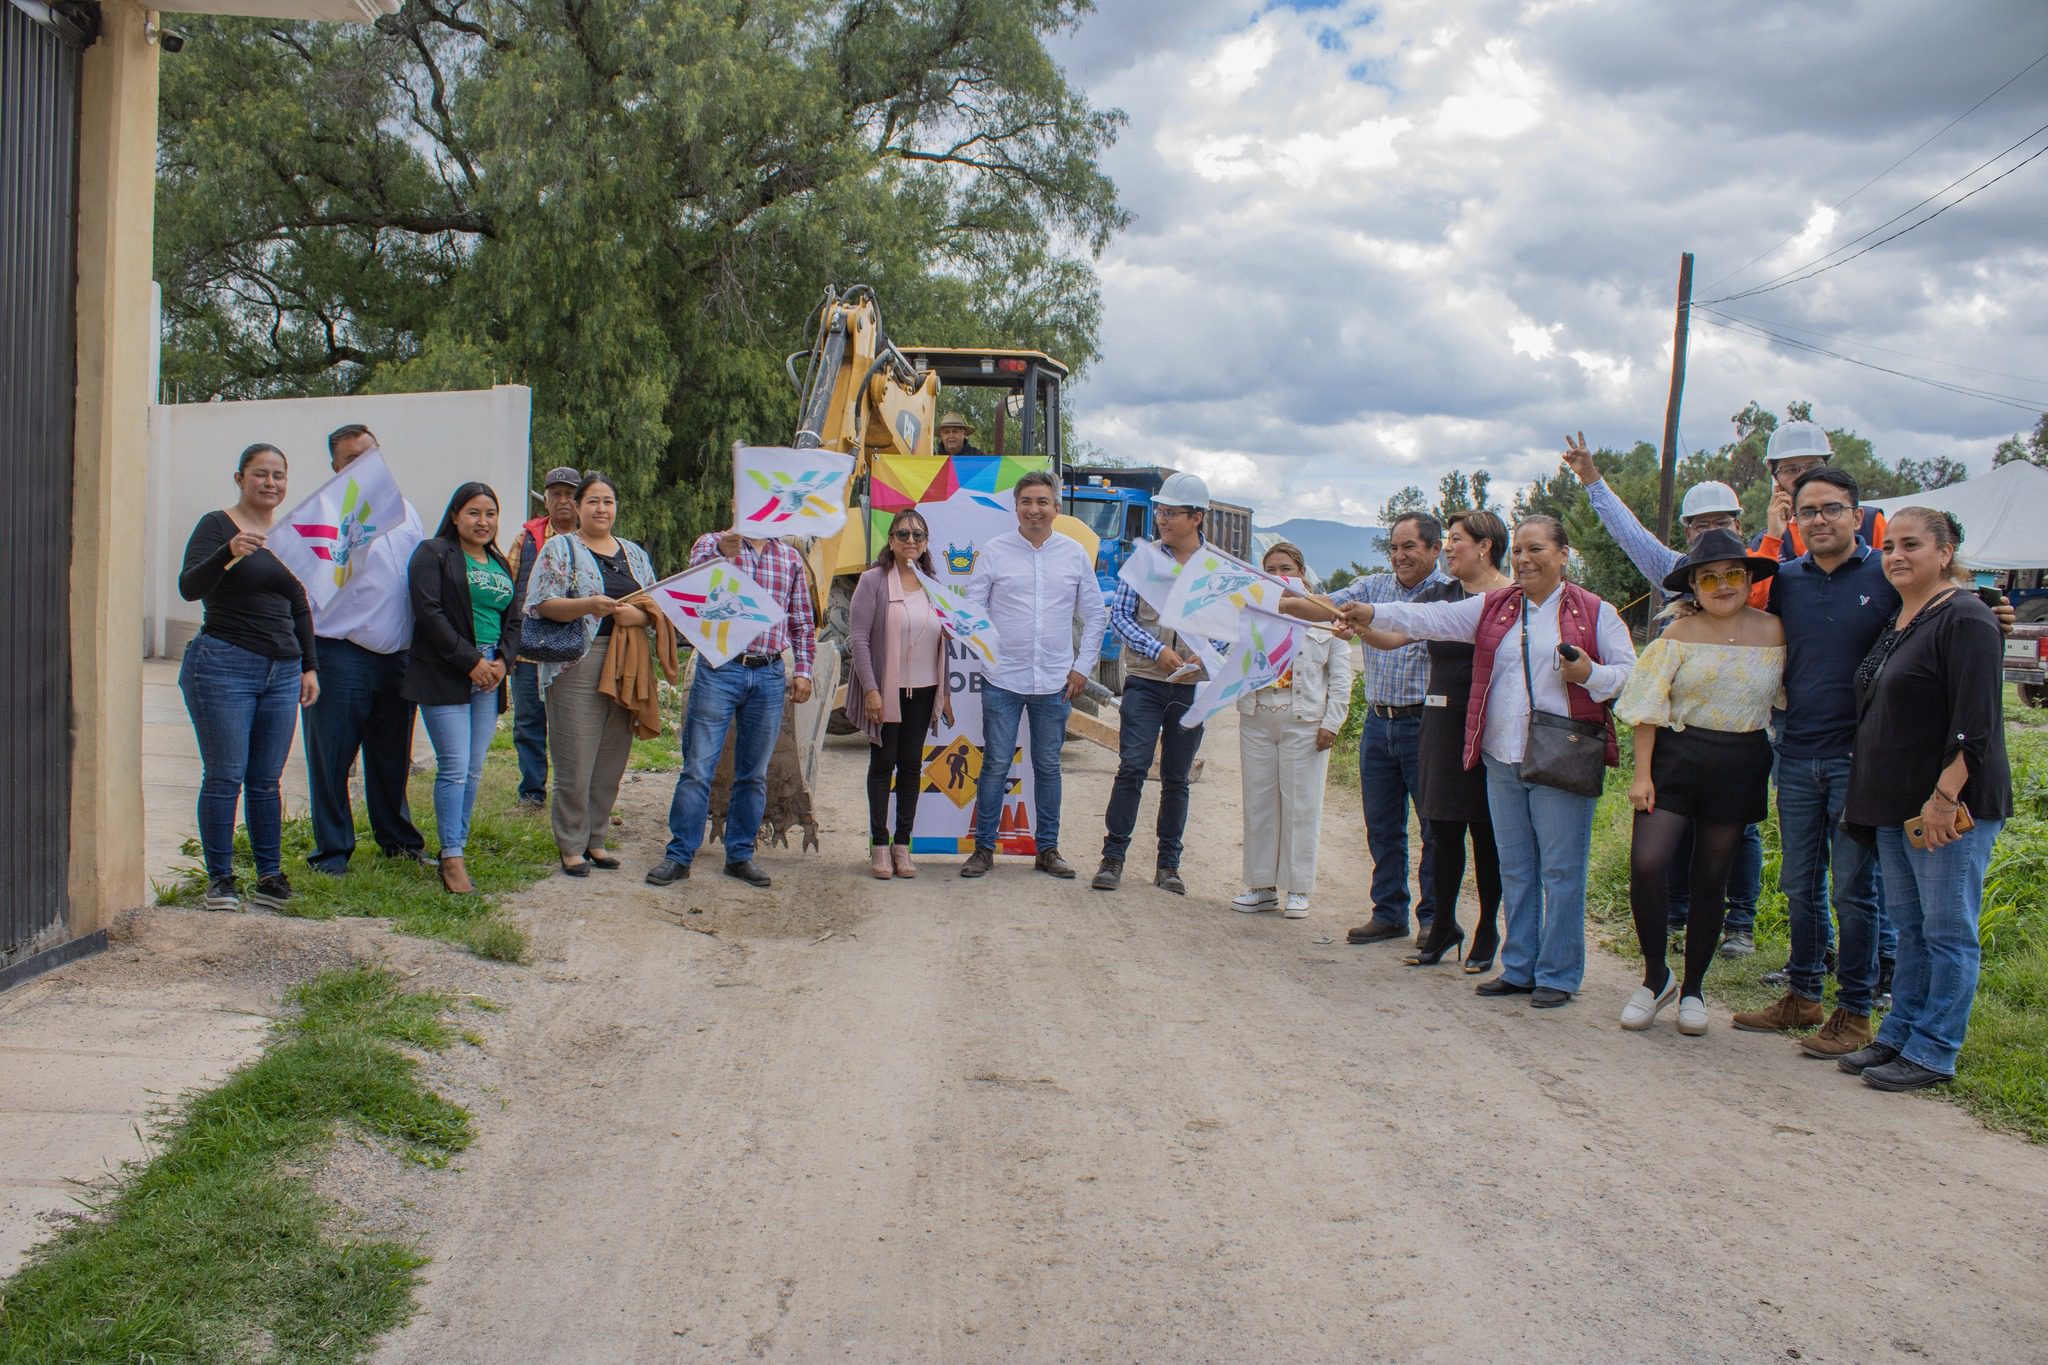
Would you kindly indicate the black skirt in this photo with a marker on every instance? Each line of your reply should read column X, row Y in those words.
column 1720, row 776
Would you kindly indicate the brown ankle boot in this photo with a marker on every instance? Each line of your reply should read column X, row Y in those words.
column 1791, row 1011
column 1842, row 1034
column 455, row 877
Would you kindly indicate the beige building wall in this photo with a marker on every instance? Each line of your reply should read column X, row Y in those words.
column 116, row 338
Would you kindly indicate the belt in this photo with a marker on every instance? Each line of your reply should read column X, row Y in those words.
column 1396, row 712
column 757, row 660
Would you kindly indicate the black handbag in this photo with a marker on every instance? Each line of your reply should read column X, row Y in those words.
column 1562, row 752
column 553, row 642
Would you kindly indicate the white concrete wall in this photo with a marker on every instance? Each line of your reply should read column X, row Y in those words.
column 433, row 442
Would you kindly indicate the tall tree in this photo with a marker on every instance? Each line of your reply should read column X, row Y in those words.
column 630, row 205
column 2033, row 449
column 1938, row 472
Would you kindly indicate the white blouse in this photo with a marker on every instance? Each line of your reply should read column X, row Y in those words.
column 1507, row 703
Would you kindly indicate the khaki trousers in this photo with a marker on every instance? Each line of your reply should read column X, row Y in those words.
column 590, row 737
column 1284, row 777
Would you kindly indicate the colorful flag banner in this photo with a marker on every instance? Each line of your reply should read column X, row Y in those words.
column 323, row 540
column 717, row 609
column 1264, row 651
column 778, row 492
column 1150, row 572
column 962, row 620
column 1213, row 589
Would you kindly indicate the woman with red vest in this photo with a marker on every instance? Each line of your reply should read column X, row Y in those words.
column 1561, row 643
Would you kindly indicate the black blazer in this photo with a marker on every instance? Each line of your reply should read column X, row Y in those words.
column 444, row 626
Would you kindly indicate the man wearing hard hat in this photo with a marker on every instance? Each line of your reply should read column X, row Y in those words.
column 1159, row 686
column 954, row 434
column 1795, row 448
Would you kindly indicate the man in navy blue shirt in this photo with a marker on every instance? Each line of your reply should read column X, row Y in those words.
column 1835, row 601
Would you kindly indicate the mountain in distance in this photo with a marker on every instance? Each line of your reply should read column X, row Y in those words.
column 1330, row 545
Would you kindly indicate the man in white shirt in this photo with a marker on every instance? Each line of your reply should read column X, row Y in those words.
column 1032, row 583
column 363, row 634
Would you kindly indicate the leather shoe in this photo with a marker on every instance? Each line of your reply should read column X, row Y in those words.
column 1110, row 875
column 1050, row 861
column 1548, row 998
column 1900, row 1074
column 666, row 871
column 748, row 873
column 978, row 862
column 1376, row 931
column 1168, row 879
column 1863, row 1058
column 1500, row 985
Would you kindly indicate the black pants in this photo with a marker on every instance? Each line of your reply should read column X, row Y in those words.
column 1151, row 722
column 900, row 756
column 361, row 710
column 1447, row 849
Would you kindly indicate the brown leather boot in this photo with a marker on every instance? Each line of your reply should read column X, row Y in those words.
column 1791, row 1011
column 1049, row 860
column 1842, row 1034
column 978, row 862
column 455, row 877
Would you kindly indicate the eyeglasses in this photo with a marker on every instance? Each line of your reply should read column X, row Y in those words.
column 1712, row 521
column 909, row 535
column 1827, row 511
column 1169, row 513
column 1713, row 580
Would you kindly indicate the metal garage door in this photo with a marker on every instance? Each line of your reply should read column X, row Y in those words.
column 39, row 65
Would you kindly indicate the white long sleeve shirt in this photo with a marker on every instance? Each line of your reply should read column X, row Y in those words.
column 1506, row 733
column 375, row 609
column 1034, row 594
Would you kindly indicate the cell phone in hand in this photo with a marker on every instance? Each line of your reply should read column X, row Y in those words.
column 1569, row 653
column 1991, row 597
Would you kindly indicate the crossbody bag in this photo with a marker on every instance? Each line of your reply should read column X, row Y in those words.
column 1562, row 751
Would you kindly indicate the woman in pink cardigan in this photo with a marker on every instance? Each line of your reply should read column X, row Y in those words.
column 900, row 689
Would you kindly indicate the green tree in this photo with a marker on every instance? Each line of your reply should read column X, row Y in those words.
column 2033, row 449
column 631, row 206
column 1938, row 472
column 1408, row 500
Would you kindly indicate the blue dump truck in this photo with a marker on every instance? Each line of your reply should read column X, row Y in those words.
column 1116, row 503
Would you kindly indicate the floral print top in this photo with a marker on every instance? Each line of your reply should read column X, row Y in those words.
column 567, row 568
column 1716, row 687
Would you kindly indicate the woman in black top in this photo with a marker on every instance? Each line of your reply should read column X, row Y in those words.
column 244, row 677
column 1930, row 778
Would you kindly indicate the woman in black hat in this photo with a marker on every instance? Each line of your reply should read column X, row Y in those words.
column 1699, row 700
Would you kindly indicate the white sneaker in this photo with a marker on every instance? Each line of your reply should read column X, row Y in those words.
column 1297, row 906
column 1692, row 1016
column 1644, row 1006
column 1256, row 900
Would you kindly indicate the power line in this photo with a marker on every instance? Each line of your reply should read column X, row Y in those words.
column 2030, row 405
column 1781, row 281
column 1873, row 346
column 1836, row 206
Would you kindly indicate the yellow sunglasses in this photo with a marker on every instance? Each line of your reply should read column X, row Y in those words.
column 1713, row 580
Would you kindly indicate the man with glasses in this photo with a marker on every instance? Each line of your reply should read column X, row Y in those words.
column 1159, row 687
column 1796, row 450
column 1710, row 506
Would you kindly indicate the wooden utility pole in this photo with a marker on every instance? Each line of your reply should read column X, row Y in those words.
column 1669, row 472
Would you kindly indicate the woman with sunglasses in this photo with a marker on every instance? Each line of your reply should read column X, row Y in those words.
column 1699, row 700
column 900, row 689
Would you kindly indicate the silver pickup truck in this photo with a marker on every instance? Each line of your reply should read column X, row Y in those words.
column 2026, row 661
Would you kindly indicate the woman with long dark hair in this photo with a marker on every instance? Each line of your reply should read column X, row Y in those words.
column 463, row 637
column 244, row 677
column 900, row 689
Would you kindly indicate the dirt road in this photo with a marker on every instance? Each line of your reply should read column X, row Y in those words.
column 1025, row 1121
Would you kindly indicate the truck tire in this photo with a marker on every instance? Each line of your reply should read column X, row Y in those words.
column 1110, row 673
column 2033, row 609
column 2034, row 695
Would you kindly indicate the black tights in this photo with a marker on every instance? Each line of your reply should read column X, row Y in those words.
column 1448, row 876
column 900, row 755
column 1657, row 835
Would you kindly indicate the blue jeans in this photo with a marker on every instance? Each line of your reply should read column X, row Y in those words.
column 1545, row 837
column 721, row 698
column 1000, row 712
column 1936, row 894
column 461, row 736
column 1817, row 860
column 1745, row 882
column 241, row 705
column 1151, row 714
column 360, row 710
column 1389, row 769
column 530, row 732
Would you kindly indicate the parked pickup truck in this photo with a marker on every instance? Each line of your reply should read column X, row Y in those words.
column 2026, row 661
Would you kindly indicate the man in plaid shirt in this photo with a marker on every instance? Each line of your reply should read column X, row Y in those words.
column 747, row 689
column 1390, row 749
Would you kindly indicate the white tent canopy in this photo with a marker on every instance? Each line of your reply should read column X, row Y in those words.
column 2004, row 513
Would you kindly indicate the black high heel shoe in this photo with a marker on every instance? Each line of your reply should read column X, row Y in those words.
column 1434, row 953
column 1476, row 964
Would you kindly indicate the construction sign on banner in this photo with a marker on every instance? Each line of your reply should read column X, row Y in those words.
column 1263, row 653
column 970, row 627
column 718, row 609
column 323, row 539
column 779, row 492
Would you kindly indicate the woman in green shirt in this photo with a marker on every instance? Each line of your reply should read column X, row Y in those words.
column 463, row 633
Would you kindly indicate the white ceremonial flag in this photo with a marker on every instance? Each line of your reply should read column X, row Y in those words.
column 717, row 609
column 778, row 492
column 1263, row 653
column 1213, row 590
column 1150, row 572
column 324, row 538
column 967, row 626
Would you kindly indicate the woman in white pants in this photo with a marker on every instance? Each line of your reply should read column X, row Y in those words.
column 1284, row 734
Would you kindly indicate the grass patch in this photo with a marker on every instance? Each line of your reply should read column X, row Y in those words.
column 217, row 1250
column 2003, row 1073
column 1344, row 753
column 509, row 849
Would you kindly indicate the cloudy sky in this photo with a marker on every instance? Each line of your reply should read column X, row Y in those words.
column 1376, row 241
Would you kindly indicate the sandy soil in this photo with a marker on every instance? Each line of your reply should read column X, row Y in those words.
column 1021, row 1120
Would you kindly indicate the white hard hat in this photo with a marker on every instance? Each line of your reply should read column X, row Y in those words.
column 1182, row 490
column 1798, row 441
column 1711, row 496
